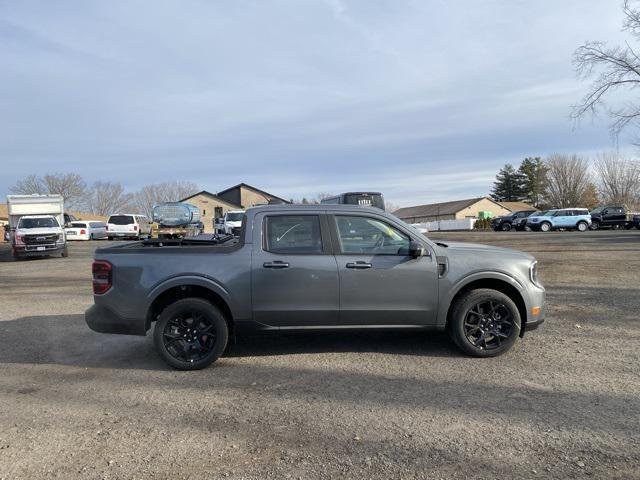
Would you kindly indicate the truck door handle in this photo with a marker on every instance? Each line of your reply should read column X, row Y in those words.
column 275, row 264
column 360, row 265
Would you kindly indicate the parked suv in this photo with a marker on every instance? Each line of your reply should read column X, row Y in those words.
column 508, row 222
column 565, row 218
column 127, row 225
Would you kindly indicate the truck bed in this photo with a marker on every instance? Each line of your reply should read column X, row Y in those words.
column 214, row 242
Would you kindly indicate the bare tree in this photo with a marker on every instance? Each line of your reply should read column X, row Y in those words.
column 145, row 198
column 29, row 185
column 106, row 198
column 618, row 179
column 569, row 181
column 390, row 206
column 71, row 186
column 616, row 69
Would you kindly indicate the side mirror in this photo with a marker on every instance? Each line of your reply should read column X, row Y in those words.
column 416, row 250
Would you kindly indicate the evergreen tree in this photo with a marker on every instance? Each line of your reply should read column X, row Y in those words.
column 534, row 175
column 509, row 185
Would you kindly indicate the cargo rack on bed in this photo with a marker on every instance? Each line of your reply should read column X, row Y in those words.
column 202, row 239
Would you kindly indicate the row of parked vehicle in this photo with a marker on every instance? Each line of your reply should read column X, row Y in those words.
column 581, row 219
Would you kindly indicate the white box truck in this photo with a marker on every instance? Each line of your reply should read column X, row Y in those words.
column 36, row 225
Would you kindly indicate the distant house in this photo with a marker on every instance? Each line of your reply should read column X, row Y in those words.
column 239, row 197
column 458, row 209
column 211, row 207
column 248, row 196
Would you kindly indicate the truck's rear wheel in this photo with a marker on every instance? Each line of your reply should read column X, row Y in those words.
column 190, row 334
column 484, row 322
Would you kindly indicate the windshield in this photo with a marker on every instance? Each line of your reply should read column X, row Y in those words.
column 235, row 216
column 78, row 225
column 598, row 209
column 121, row 219
column 546, row 213
column 44, row 222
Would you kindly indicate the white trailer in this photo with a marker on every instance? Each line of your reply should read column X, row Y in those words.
column 21, row 205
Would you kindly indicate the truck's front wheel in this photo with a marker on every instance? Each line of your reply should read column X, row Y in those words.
column 190, row 334
column 484, row 322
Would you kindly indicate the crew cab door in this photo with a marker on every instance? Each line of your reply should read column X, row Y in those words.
column 380, row 283
column 294, row 276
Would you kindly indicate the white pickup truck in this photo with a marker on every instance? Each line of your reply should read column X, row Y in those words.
column 231, row 223
column 36, row 225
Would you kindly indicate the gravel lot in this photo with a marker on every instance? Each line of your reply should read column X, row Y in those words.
column 564, row 403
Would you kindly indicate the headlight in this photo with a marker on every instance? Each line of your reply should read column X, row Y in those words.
column 533, row 273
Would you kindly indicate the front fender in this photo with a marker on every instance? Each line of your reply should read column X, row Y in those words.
column 451, row 291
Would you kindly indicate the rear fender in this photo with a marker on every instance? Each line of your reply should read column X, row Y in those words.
column 197, row 280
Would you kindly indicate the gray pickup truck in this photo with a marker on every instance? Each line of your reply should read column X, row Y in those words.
column 313, row 268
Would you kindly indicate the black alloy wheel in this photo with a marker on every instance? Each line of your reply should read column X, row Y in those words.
column 487, row 324
column 484, row 322
column 506, row 226
column 191, row 334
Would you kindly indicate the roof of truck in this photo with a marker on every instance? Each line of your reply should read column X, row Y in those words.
column 315, row 207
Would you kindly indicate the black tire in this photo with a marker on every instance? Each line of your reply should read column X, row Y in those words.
column 545, row 227
column 109, row 238
column 64, row 253
column 506, row 226
column 582, row 226
column 595, row 225
column 496, row 331
column 186, row 345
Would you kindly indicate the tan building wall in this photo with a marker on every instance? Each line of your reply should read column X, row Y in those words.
column 484, row 205
column 210, row 207
column 249, row 197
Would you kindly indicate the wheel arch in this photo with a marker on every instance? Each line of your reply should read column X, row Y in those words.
column 494, row 283
column 188, row 288
column 548, row 223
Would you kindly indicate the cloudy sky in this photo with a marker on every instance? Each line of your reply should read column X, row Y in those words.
column 423, row 100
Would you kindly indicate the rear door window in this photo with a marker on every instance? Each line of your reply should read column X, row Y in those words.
column 293, row 234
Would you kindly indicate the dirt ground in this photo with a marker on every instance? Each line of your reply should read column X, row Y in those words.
column 563, row 403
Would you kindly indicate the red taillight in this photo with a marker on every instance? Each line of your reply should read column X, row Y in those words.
column 135, row 228
column 83, row 232
column 101, row 276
